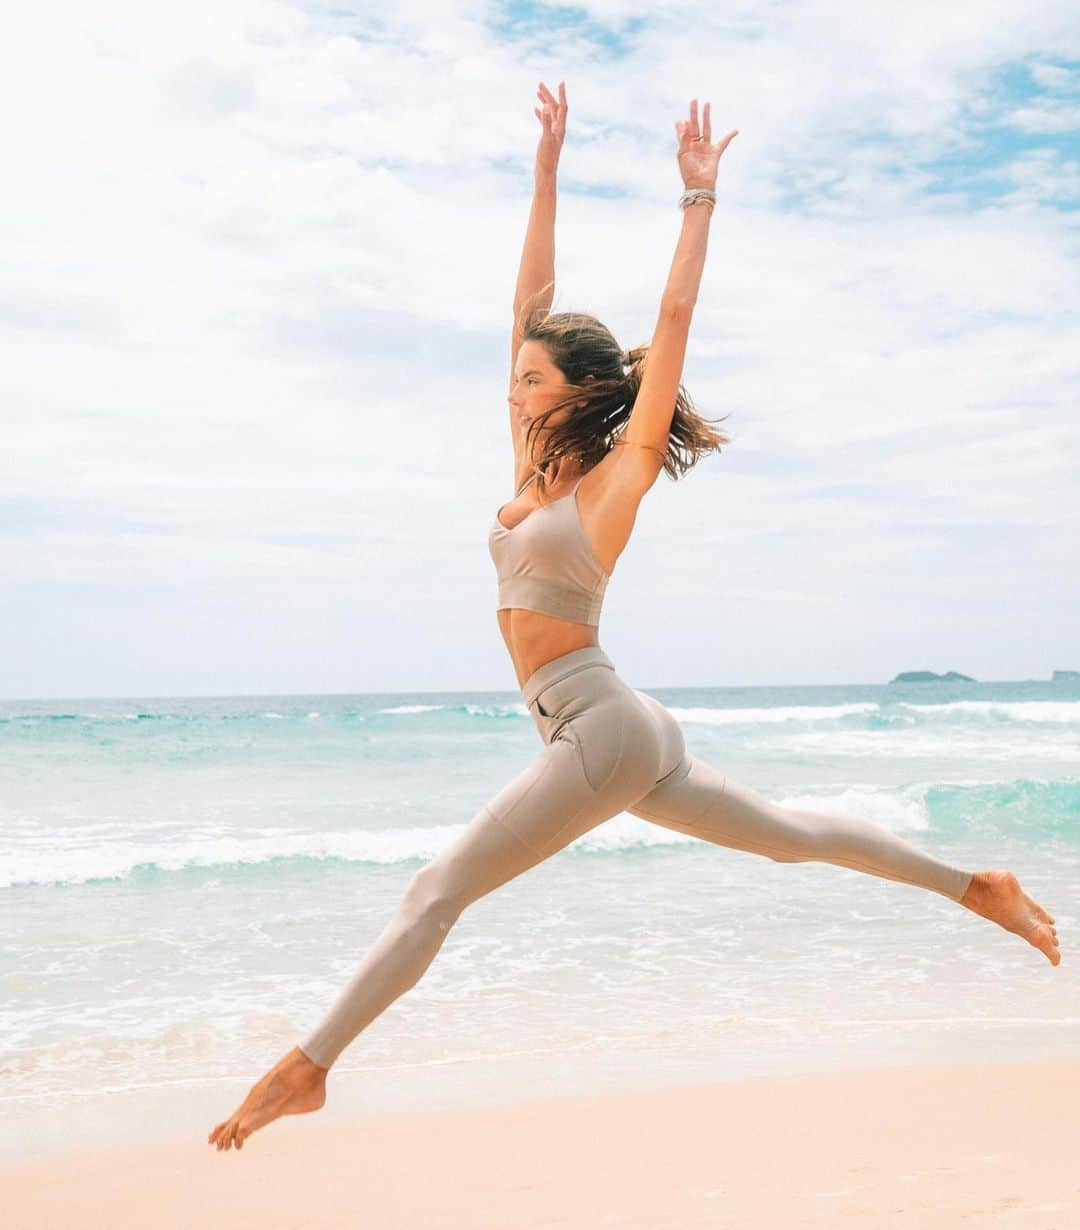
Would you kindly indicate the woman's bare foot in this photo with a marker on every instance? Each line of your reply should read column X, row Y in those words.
column 997, row 895
column 293, row 1086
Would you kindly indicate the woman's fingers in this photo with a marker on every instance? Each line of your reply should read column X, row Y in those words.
column 544, row 115
column 547, row 95
column 548, row 98
column 554, row 111
column 687, row 130
column 693, row 131
column 557, row 104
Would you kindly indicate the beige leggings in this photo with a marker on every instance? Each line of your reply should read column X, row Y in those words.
column 607, row 748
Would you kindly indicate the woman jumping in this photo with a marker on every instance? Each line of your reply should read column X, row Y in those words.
column 592, row 427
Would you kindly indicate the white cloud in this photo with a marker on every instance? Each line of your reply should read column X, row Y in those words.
column 258, row 267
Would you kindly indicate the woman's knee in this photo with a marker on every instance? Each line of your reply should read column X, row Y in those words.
column 804, row 839
column 431, row 895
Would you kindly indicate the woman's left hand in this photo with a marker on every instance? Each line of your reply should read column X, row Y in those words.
column 698, row 157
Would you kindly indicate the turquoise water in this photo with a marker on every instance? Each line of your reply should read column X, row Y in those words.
column 186, row 883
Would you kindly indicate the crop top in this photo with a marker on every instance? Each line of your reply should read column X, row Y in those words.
column 545, row 562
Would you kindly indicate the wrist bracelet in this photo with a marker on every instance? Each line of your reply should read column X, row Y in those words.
column 692, row 195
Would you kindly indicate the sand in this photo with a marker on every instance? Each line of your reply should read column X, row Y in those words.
column 966, row 1145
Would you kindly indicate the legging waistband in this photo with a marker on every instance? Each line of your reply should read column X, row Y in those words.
column 558, row 668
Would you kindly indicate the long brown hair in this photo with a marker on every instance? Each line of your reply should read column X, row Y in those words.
column 590, row 358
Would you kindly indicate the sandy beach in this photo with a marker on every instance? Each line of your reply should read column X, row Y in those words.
column 921, row 1146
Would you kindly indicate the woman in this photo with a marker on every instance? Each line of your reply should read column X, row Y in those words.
column 592, row 428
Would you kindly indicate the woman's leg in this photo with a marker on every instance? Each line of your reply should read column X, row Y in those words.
column 560, row 795
column 600, row 755
column 695, row 798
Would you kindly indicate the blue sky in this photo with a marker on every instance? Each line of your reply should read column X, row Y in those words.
column 259, row 262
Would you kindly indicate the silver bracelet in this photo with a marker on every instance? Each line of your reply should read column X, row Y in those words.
column 692, row 195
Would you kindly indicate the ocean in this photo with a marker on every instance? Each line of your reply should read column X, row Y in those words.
column 186, row 883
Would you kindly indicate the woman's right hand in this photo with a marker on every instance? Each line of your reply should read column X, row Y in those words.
column 698, row 157
column 553, row 122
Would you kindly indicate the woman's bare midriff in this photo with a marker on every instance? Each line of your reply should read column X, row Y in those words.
column 532, row 639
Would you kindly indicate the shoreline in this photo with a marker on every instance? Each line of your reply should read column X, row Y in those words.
column 67, row 1121
column 918, row 1145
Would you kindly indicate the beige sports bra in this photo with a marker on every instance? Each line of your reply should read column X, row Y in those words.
column 545, row 562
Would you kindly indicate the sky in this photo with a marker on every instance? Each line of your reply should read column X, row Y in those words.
column 259, row 263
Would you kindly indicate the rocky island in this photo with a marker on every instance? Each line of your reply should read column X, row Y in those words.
column 930, row 677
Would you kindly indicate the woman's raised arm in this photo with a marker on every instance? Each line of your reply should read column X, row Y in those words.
column 536, row 274
column 654, row 406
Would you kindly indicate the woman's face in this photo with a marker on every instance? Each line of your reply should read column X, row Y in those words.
column 538, row 385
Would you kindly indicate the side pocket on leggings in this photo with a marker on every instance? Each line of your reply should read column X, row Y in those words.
column 599, row 755
column 547, row 702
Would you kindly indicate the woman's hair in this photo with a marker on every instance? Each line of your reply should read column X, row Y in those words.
column 591, row 359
